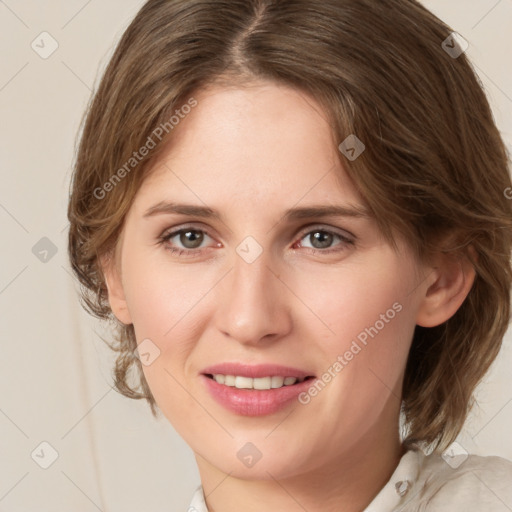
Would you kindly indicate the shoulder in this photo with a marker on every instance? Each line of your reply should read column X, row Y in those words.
column 466, row 482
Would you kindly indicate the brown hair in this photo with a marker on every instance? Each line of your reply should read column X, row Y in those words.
column 434, row 163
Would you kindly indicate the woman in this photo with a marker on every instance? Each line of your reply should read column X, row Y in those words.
column 295, row 212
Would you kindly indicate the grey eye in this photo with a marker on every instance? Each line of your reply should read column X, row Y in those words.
column 320, row 239
column 191, row 239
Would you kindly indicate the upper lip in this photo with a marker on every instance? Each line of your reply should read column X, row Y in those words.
column 255, row 371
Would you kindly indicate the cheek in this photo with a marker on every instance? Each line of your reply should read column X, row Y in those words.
column 349, row 300
column 168, row 305
column 162, row 297
column 366, row 316
column 364, row 353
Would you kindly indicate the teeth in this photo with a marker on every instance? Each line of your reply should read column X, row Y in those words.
column 277, row 382
column 262, row 383
column 229, row 380
column 243, row 382
column 257, row 383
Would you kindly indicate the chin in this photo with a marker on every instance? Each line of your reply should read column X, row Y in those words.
column 257, row 460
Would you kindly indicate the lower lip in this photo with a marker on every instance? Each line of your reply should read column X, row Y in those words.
column 254, row 402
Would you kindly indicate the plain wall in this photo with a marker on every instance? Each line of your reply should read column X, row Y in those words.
column 54, row 368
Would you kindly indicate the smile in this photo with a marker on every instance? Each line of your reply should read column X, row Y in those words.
column 255, row 396
column 260, row 383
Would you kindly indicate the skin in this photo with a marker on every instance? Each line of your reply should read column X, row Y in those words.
column 251, row 153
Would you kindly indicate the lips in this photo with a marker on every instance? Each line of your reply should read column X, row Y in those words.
column 248, row 400
column 256, row 371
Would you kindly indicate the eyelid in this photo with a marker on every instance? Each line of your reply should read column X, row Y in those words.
column 180, row 228
column 344, row 234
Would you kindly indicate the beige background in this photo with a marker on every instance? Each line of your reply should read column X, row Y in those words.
column 54, row 369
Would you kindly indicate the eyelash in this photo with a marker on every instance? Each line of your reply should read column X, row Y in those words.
column 164, row 239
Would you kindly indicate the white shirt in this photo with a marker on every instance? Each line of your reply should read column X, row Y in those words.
column 437, row 483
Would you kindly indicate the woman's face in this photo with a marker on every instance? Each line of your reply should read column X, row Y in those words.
column 260, row 276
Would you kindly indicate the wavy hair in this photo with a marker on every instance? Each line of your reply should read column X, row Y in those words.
column 435, row 167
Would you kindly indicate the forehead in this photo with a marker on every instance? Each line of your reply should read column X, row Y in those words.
column 249, row 144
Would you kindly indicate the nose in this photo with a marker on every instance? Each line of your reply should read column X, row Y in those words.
column 253, row 303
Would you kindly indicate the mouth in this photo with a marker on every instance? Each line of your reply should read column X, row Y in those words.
column 258, row 383
column 261, row 395
column 255, row 389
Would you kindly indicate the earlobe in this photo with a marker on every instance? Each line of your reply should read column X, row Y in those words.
column 116, row 296
column 454, row 277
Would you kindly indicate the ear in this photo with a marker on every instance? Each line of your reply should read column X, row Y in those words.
column 453, row 277
column 116, row 298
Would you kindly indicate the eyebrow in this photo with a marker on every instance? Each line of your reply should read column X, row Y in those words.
column 297, row 213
